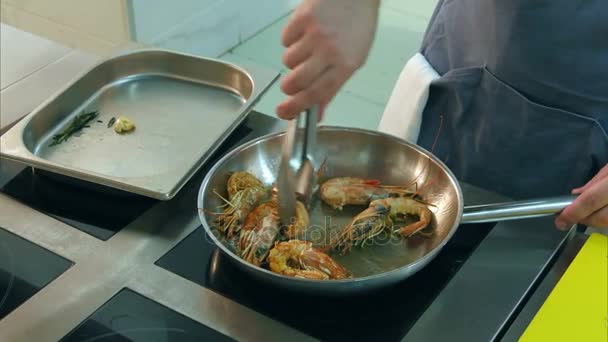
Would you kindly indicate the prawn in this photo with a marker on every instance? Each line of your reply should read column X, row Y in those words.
column 262, row 228
column 402, row 207
column 380, row 217
column 245, row 192
column 241, row 180
column 368, row 224
column 297, row 258
column 259, row 232
column 301, row 222
column 340, row 191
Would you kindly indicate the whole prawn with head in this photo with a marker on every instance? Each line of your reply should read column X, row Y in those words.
column 340, row 191
column 381, row 216
column 387, row 205
column 245, row 192
column 262, row 229
column 296, row 258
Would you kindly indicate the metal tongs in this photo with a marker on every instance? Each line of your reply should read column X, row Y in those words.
column 297, row 178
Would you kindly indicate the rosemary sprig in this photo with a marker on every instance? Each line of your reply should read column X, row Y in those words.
column 111, row 122
column 79, row 122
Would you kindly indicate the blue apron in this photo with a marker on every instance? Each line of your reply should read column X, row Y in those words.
column 523, row 93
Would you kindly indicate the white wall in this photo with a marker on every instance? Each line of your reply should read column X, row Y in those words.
column 203, row 27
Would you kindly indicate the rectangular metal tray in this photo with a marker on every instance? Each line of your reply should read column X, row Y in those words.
column 183, row 107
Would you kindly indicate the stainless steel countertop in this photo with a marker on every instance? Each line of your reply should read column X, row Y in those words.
column 478, row 304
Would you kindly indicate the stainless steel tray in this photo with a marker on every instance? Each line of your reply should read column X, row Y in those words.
column 183, row 108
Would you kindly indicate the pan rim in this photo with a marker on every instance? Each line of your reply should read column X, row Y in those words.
column 416, row 265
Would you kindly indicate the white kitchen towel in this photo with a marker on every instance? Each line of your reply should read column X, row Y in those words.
column 403, row 113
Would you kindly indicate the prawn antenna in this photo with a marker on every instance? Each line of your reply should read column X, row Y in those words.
column 438, row 134
column 428, row 158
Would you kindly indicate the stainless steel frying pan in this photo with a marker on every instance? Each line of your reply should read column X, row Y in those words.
column 373, row 155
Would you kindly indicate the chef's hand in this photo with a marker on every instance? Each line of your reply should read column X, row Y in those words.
column 326, row 41
column 590, row 207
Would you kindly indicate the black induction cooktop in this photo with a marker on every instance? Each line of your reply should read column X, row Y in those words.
column 129, row 316
column 393, row 310
column 98, row 211
column 25, row 269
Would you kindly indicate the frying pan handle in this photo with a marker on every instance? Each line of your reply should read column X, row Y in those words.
column 516, row 210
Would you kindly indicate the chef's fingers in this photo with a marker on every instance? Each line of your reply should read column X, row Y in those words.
column 332, row 84
column 588, row 202
column 299, row 51
column 303, row 76
column 599, row 219
column 321, row 111
column 599, row 176
column 295, row 28
column 320, row 92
